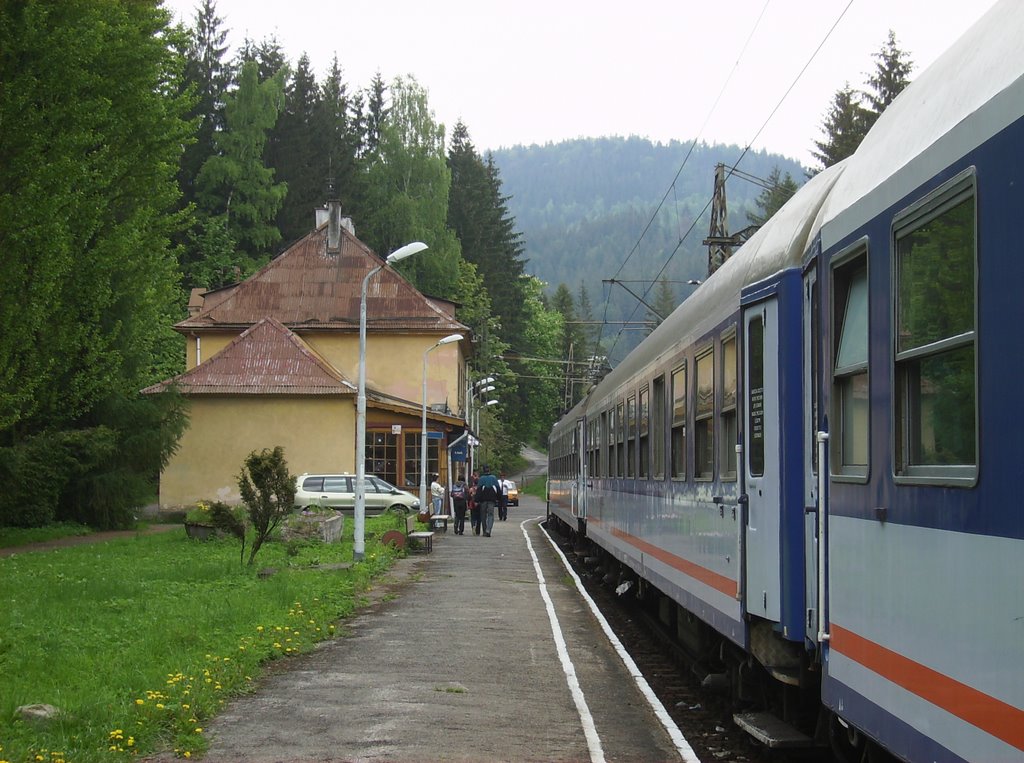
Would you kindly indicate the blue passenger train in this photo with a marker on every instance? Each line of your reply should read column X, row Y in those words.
column 811, row 466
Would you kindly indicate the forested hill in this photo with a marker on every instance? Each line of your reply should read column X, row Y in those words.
column 582, row 205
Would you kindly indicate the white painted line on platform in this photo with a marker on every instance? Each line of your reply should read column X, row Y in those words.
column 682, row 746
column 586, row 719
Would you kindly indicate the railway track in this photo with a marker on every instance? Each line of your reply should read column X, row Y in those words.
column 704, row 717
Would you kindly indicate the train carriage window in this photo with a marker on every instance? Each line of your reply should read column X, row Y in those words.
column 728, row 415
column 631, row 436
column 704, row 418
column 621, row 449
column 612, row 460
column 678, row 440
column 602, row 445
column 850, row 368
column 658, row 427
column 935, row 400
column 645, row 434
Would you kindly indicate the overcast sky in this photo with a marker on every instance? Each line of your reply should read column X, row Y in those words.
column 535, row 71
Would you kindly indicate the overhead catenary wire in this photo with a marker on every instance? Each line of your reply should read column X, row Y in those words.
column 732, row 169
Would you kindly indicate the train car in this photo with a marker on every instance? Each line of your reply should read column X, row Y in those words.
column 921, row 260
column 807, row 467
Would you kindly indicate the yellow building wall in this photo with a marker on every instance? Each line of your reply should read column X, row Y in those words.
column 317, row 434
column 394, row 362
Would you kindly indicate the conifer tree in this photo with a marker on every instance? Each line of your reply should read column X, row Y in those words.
column 772, row 199
column 210, row 77
column 664, row 301
column 235, row 182
column 845, row 126
column 891, row 75
column 337, row 137
column 300, row 160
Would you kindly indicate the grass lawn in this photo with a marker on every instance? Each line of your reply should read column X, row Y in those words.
column 20, row 536
column 140, row 641
column 536, row 486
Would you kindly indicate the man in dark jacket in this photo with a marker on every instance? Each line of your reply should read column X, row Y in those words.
column 460, row 494
column 488, row 492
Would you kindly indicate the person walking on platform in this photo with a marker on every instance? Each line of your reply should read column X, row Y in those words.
column 488, row 492
column 502, row 497
column 474, row 507
column 460, row 493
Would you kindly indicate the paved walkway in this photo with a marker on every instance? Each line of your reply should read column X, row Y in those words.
column 465, row 663
column 78, row 540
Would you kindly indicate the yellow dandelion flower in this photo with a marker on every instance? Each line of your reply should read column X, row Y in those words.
column 187, row 754
column 199, row 729
column 140, row 702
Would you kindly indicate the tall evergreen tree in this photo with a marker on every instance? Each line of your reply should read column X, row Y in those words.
column 892, row 73
column 664, row 301
column 93, row 129
column 853, row 113
column 845, row 126
column 771, row 199
column 235, row 182
column 337, row 131
column 585, row 311
column 209, row 76
column 573, row 348
column 406, row 198
column 373, row 118
column 300, row 159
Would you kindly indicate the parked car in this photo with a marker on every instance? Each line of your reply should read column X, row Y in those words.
column 339, row 491
column 513, row 494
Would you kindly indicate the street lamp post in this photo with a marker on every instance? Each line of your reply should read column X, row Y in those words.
column 475, row 390
column 359, row 531
column 423, row 432
column 476, row 426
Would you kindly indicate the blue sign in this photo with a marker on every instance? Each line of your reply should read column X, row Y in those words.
column 459, row 452
column 435, row 435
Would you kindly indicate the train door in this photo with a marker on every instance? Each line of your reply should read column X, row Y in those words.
column 762, row 463
column 579, row 492
column 811, row 425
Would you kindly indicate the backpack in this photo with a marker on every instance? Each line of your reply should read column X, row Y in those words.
column 458, row 490
column 487, row 491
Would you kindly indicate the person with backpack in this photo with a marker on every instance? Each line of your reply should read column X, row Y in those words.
column 459, row 502
column 488, row 492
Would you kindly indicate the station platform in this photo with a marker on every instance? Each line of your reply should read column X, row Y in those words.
column 459, row 657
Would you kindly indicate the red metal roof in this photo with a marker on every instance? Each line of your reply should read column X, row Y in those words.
column 265, row 359
column 305, row 288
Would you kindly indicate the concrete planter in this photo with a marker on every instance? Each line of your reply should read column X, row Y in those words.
column 322, row 527
column 200, row 532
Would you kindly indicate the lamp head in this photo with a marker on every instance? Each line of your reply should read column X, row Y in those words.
column 449, row 339
column 403, row 252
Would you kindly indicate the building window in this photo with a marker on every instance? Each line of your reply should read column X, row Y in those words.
column 658, row 427
column 728, row 414
column 850, row 369
column 412, row 459
column 678, row 440
column 704, row 418
column 645, row 434
column 935, row 395
column 382, row 455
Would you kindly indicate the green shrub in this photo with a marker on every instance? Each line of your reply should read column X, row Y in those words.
column 268, row 492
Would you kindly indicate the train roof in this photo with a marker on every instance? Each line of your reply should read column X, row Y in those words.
column 970, row 93
column 779, row 244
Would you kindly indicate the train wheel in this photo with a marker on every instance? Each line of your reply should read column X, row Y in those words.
column 847, row 743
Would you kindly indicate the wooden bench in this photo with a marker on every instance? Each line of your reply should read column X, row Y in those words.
column 426, row 537
column 439, row 522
